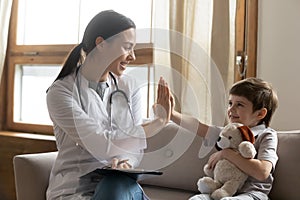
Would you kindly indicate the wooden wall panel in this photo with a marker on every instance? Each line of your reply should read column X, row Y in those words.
column 12, row 144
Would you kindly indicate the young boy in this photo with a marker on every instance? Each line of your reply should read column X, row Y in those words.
column 252, row 102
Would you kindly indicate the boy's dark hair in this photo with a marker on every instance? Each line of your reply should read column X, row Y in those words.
column 260, row 93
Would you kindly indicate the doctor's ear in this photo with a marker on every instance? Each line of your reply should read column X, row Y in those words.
column 99, row 40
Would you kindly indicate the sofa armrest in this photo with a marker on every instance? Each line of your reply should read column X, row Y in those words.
column 32, row 173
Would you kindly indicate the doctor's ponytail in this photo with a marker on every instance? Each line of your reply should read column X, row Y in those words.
column 71, row 63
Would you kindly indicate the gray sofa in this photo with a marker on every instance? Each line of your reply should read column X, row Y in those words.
column 176, row 150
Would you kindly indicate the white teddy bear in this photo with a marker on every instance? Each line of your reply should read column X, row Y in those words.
column 225, row 179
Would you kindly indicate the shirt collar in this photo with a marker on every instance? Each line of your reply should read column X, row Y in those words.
column 92, row 84
column 256, row 130
column 95, row 85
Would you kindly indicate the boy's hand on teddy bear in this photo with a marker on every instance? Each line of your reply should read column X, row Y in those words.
column 214, row 158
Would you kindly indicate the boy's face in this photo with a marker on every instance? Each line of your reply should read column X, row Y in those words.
column 240, row 110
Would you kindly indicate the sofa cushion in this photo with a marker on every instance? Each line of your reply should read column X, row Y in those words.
column 176, row 155
column 286, row 175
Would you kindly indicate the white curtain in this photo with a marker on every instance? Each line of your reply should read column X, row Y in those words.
column 5, row 11
column 194, row 41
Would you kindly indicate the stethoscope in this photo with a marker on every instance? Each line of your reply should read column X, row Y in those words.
column 114, row 93
column 110, row 100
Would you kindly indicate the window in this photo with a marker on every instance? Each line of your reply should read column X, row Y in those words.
column 41, row 35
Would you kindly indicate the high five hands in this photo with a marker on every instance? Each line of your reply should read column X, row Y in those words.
column 164, row 102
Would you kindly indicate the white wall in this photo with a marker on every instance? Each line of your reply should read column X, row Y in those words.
column 279, row 57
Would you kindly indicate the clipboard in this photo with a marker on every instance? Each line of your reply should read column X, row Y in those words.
column 137, row 174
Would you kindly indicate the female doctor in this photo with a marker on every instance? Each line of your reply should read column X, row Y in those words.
column 96, row 114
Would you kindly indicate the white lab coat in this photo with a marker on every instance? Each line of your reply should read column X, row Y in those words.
column 82, row 131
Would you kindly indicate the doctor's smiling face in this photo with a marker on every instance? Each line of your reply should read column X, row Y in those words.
column 121, row 50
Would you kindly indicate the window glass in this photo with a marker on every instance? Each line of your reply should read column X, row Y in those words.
column 31, row 83
column 64, row 21
column 47, row 22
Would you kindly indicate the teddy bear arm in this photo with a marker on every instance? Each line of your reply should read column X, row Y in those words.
column 247, row 149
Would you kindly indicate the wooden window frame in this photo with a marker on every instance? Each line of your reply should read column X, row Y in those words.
column 246, row 38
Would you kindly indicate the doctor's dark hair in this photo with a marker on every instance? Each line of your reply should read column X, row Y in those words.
column 105, row 24
column 260, row 93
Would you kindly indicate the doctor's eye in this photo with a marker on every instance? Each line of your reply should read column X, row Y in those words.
column 128, row 46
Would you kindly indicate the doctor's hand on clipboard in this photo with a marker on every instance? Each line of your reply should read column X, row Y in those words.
column 122, row 167
column 119, row 164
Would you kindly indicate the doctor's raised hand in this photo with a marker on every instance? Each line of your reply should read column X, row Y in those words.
column 96, row 113
column 164, row 102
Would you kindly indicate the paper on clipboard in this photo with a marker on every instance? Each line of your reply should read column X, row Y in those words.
column 137, row 174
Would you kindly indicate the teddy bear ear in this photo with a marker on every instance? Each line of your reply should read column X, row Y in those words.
column 247, row 134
